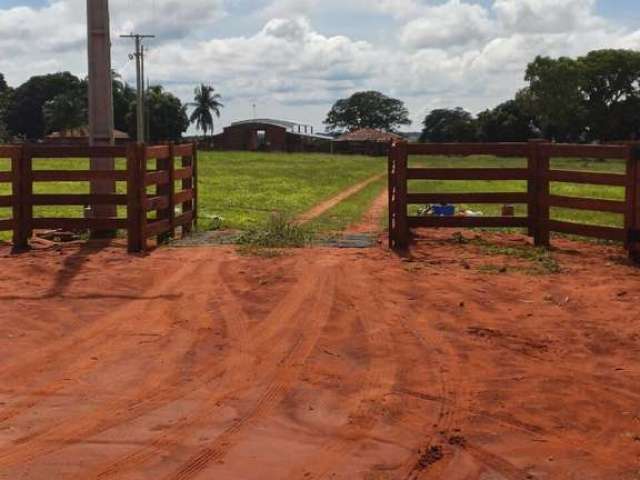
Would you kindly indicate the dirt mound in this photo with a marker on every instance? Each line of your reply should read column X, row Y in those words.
column 325, row 363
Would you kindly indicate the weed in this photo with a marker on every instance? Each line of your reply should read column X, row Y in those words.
column 541, row 258
column 277, row 232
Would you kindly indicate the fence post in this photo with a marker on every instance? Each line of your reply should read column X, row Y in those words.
column 393, row 195
column 190, row 184
column 194, row 166
column 167, row 190
column 26, row 191
column 134, row 206
column 402, row 223
column 539, row 193
column 632, row 219
column 20, row 228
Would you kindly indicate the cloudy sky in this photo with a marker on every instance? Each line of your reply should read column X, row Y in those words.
column 294, row 58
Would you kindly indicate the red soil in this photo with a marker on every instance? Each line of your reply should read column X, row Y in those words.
column 199, row 363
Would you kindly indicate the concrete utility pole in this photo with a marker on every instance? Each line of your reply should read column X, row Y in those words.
column 139, row 56
column 100, row 98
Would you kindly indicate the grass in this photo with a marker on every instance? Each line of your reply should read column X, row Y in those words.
column 350, row 211
column 242, row 188
column 246, row 188
column 557, row 188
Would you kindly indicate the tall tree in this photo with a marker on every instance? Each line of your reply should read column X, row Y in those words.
column 367, row 110
column 65, row 112
column 206, row 103
column 554, row 85
column 5, row 99
column 25, row 115
column 610, row 87
column 167, row 116
column 511, row 121
column 449, row 125
column 124, row 101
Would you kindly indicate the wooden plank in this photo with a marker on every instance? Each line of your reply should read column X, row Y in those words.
column 6, row 177
column 184, row 219
column 159, row 152
column 467, row 174
column 156, row 178
column 184, row 150
column 415, row 198
column 135, row 187
column 583, row 151
column 402, row 223
column 159, row 202
column 593, row 231
column 78, row 175
column 10, row 151
column 6, row 201
column 183, row 197
column 80, row 223
column 591, row 178
column 543, row 236
column 468, row 222
column 183, row 173
column 76, row 151
column 6, row 225
column 156, row 228
column 575, row 203
column 76, row 199
column 468, row 149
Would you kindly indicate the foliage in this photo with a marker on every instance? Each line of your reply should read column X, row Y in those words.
column 510, row 121
column 5, row 98
column 206, row 103
column 25, row 115
column 65, row 111
column 594, row 97
column 124, row 102
column 449, row 125
column 167, row 116
column 278, row 232
column 367, row 110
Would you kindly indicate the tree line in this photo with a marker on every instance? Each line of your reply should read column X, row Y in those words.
column 593, row 98
column 59, row 102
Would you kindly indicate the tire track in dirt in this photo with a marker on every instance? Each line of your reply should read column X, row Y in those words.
column 323, row 207
column 154, row 392
column 379, row 380
column 287, row 371
column 237, row 368
column 371, row 220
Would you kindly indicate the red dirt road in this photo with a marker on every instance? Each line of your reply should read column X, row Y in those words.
column 201, row 364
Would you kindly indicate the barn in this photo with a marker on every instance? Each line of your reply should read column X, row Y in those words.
column 271, row 136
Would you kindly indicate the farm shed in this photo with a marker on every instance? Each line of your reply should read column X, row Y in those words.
column 80, row 136
column 271, row 135
column 366, row 141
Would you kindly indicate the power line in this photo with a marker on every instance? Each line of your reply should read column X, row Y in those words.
column 139, row 56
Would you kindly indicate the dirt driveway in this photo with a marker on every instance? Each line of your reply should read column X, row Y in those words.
column 343, row 364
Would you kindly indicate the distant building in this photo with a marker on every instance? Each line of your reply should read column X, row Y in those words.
column 366, row 141
column 272, row 136
column 80, row 136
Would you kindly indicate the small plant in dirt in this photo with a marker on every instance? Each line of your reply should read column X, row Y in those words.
column 278, row 232
column 542, row 259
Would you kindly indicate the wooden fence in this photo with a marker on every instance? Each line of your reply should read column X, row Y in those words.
column 137, row 174
column 538, row 176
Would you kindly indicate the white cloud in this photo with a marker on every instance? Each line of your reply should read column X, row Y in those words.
column 281, row 57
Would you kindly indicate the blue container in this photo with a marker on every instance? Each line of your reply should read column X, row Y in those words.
column 444, row 210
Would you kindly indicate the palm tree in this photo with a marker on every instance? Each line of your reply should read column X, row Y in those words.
column 205, row 102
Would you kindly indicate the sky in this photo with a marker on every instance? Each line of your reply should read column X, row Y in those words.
column 294, row 58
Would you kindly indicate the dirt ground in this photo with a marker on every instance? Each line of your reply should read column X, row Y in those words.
column 197, row 363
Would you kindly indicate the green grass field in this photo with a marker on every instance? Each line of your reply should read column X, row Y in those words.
column 241, row 187
column 572, row 190
column 246, row 188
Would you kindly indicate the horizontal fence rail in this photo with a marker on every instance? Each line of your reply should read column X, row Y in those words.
column 538, row 199
column 136, row 175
